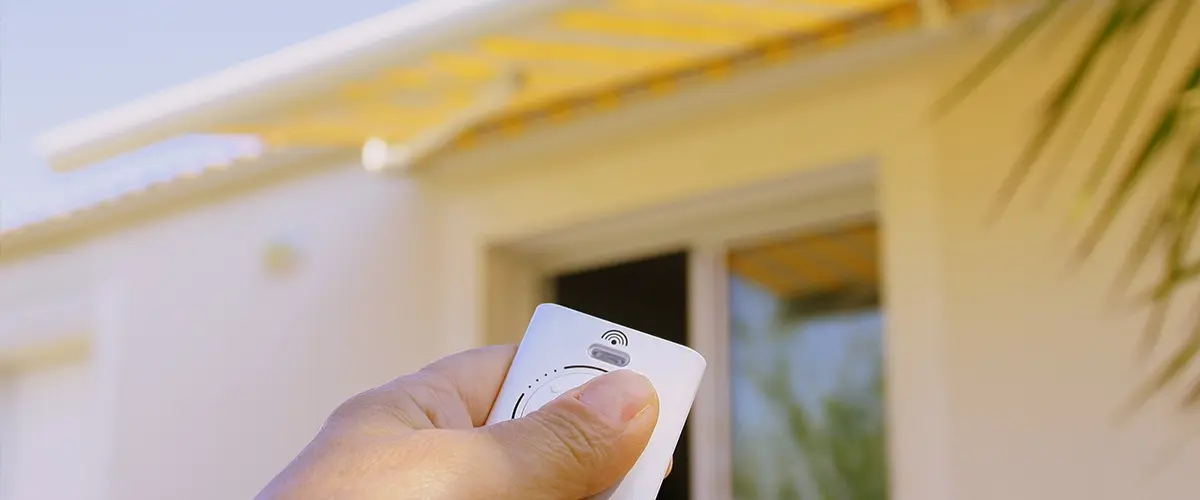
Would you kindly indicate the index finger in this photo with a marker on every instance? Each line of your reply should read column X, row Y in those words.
column 476, row 376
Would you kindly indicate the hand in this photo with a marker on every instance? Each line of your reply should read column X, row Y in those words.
column 420, row 437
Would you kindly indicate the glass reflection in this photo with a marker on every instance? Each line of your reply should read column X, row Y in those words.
column 807, row 388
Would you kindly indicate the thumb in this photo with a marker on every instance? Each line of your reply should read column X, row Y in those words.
column 581, row 443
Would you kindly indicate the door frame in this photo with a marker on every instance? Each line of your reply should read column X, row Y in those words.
column 707, row 227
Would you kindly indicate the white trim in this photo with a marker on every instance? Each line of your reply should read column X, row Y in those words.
column 179, row 161
column 708, row 331
column 917, row 337
column 259, row 86
column 154, row 196
column 107, row 361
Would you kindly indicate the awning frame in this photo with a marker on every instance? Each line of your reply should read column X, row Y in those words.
column 262, row 87
column 257, row 87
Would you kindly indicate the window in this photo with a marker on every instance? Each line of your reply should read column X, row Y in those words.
column 806, row 369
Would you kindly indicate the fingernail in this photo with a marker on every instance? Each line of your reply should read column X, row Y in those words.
column 619, row 395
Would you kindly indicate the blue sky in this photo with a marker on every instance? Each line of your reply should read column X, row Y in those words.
column 65, row 59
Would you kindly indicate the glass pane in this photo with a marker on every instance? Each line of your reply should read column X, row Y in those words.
column 807, row 369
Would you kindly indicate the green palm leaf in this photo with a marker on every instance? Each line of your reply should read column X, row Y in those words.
column 1117, row 21
column 998, row 55
column 1176, row 216
column 1163, row 133
column 1137, row 99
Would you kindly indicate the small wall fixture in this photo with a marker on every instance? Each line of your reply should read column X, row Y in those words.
column 280, row 258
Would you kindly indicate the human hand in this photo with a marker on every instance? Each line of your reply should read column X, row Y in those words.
column 420, row 437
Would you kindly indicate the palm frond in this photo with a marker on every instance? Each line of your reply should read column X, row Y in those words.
column 1163, row 133
column 1165, row 218
column 1117, row 21
column 1170, row 371
column 1172, row 224
column 1147, row 75
column 998, row 55
column 1105, row 86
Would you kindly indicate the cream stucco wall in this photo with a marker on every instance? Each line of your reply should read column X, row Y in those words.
column 1040, row 358
column 209, row 372
column 1003, row 370
column 48, row 439
column 1006, row 372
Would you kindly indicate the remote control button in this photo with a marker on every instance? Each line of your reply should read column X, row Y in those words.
column 562, row 381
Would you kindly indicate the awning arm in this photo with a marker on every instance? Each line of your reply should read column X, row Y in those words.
column 380, row 156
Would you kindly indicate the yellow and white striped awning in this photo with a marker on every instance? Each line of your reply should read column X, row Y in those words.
column 583, row 58
column 427, row 63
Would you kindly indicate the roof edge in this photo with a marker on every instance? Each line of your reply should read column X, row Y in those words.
column 164, row 198
column 260, row 85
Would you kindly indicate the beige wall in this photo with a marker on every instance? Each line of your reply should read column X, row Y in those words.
column 211, row 373
column 1004, row 372
column 47, row 437
column 1040, row 358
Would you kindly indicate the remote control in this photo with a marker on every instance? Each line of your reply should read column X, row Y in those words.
column 562, row 349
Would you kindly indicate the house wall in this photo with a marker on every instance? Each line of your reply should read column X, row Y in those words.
column 788, row 122
column 1004, row 371
column 1041, row 357
column 212, row 371
column 47, row 438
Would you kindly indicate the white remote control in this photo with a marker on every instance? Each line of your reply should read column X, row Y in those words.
column 563, row 349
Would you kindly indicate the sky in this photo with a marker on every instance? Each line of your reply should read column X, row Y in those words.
column 62, row 60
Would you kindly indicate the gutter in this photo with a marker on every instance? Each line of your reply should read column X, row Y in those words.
column 265, row 85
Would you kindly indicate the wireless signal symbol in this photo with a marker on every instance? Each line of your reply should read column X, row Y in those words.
column 615, row 337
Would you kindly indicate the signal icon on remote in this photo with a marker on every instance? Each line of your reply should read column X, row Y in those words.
column 615, row 337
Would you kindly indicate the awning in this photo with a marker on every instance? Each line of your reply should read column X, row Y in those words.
column 812, row 263
column 587, row 56
column 425, row 64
